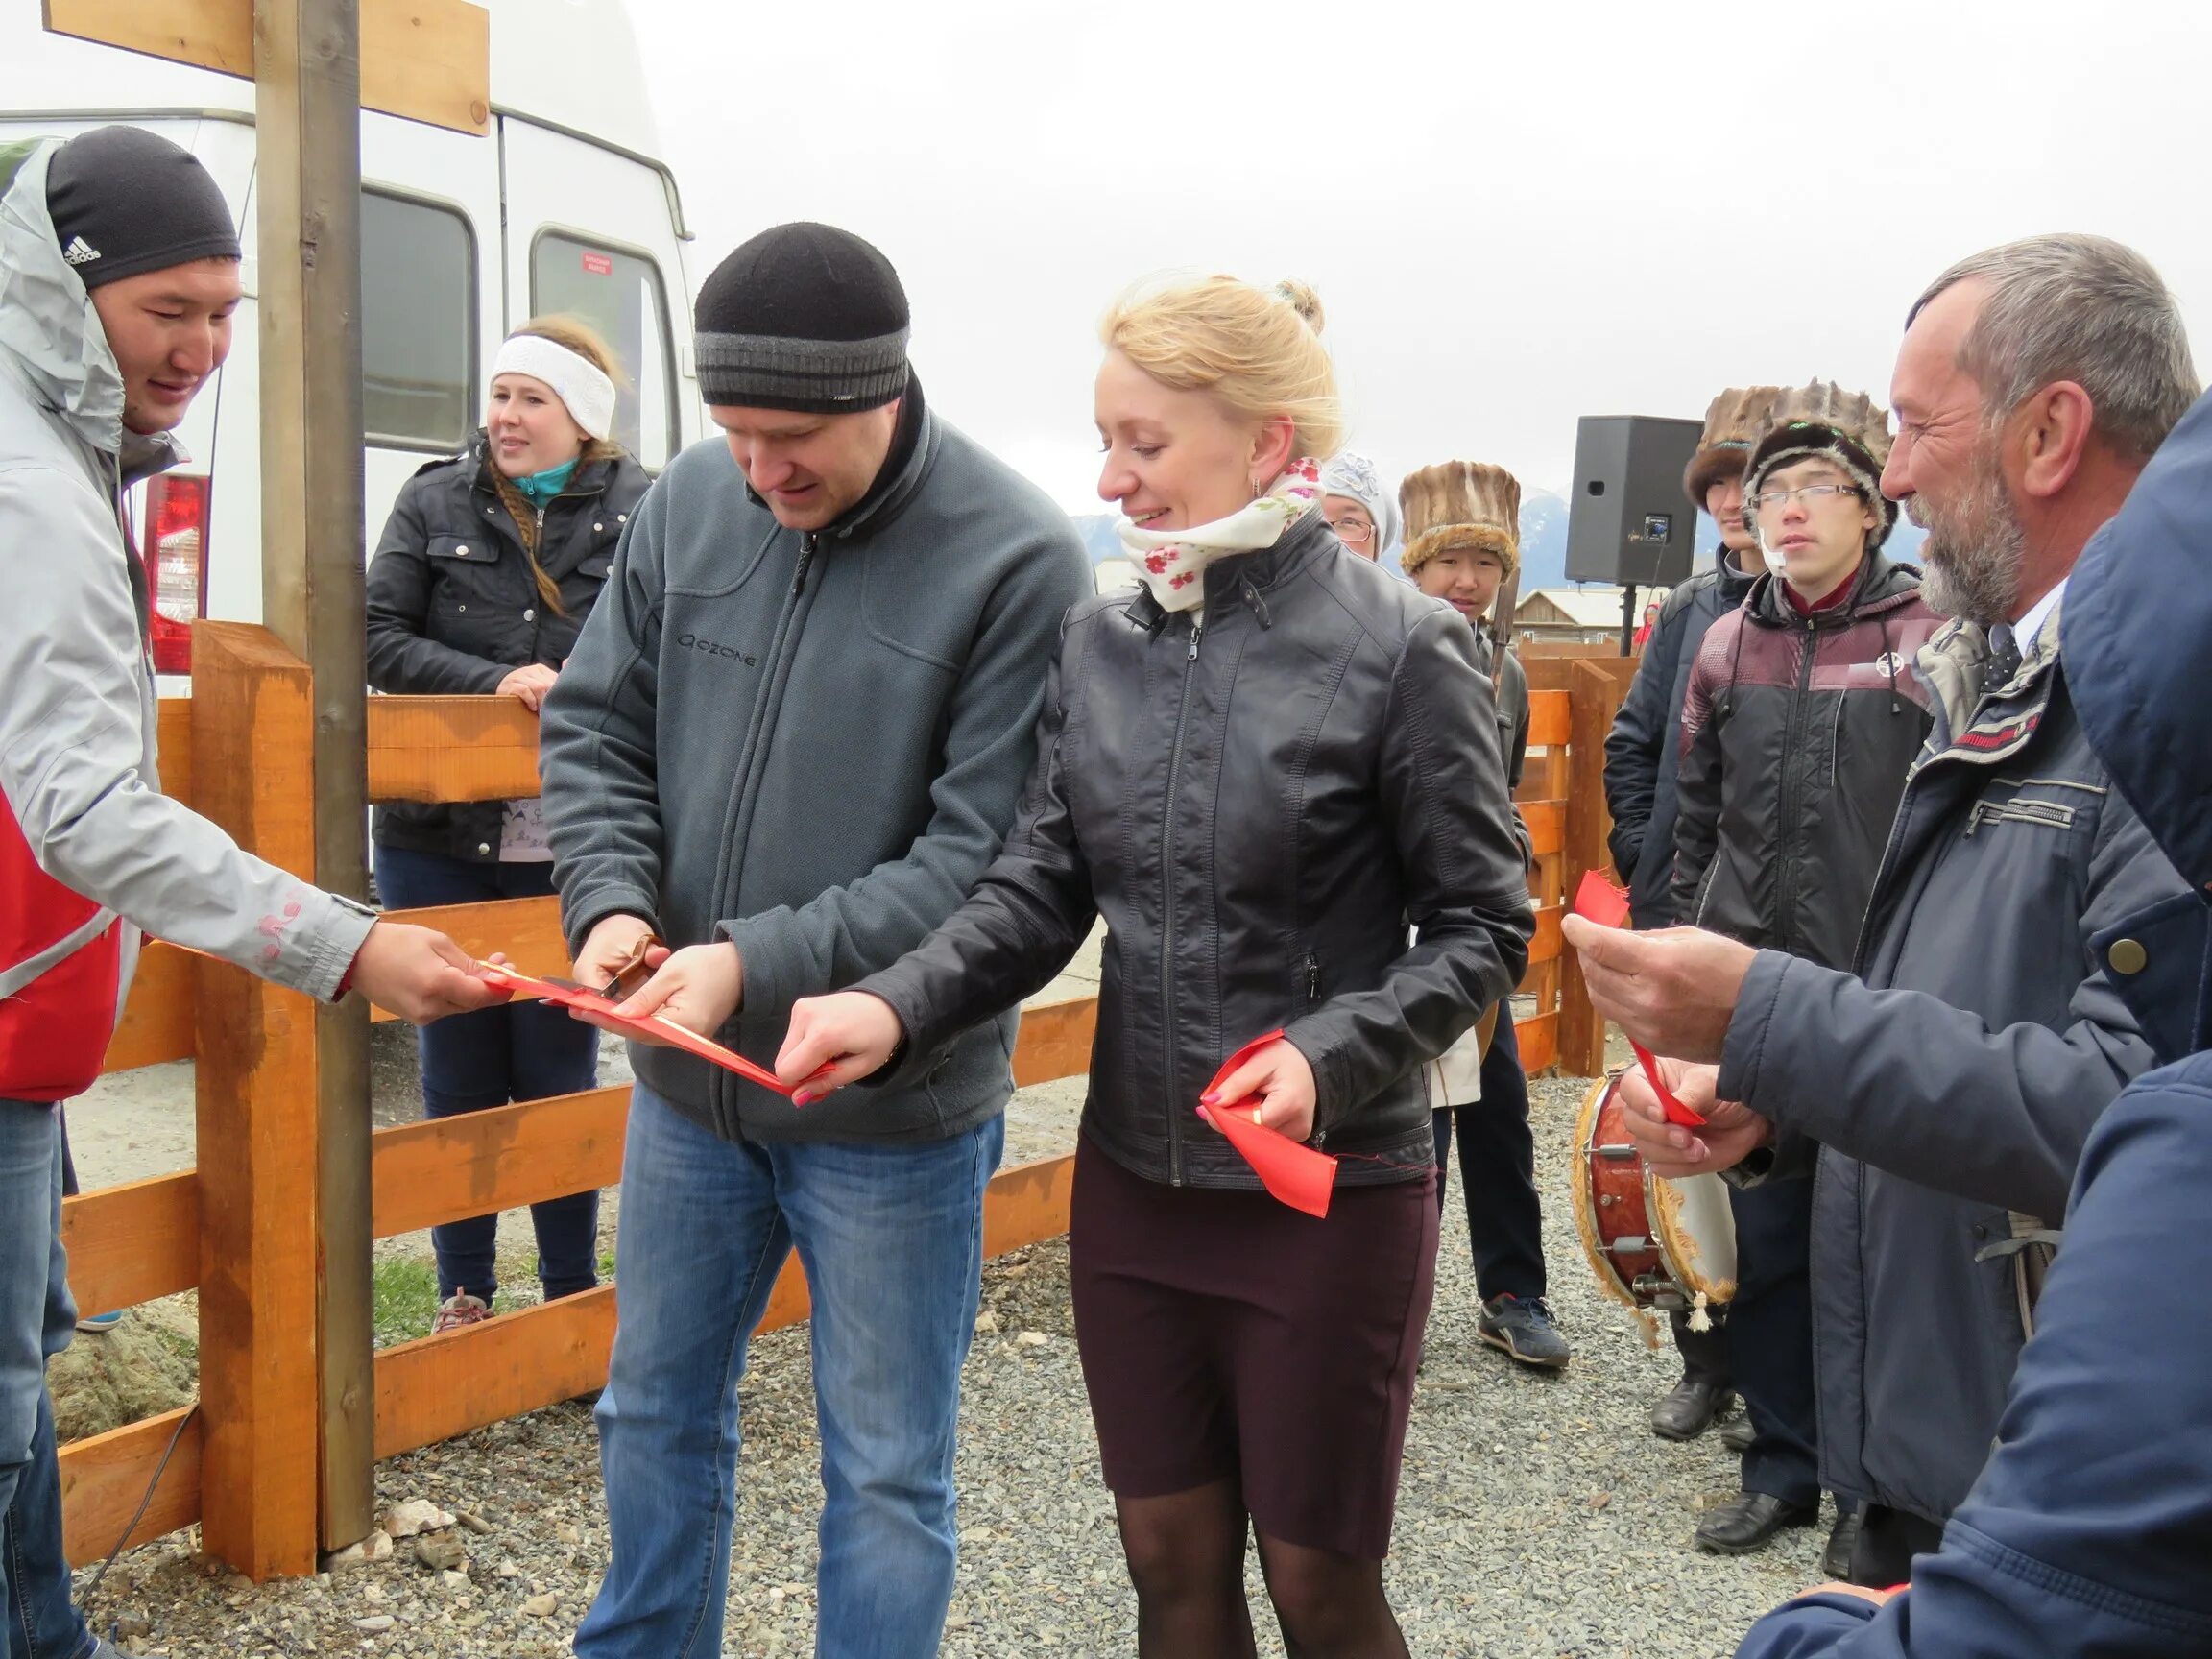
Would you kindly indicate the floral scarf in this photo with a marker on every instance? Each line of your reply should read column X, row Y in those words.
column 1172, row 562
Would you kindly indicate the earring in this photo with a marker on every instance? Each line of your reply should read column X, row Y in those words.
column 1258, row 490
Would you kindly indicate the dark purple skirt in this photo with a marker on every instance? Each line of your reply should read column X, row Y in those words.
column 1225, row 1335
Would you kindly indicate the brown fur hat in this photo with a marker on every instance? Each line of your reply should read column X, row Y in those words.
column 1734, row 421
column 1846, row 428
column 1460, row 504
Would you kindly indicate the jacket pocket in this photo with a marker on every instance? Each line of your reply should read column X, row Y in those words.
column 2019, row 810
column 465, row 611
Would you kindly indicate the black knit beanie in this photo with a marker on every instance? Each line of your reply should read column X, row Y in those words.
column 124, row 200
column 803, row 317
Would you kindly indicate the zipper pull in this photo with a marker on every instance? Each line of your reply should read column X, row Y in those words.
column 1312, row 979
column 1197, row 631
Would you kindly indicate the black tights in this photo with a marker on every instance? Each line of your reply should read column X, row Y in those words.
column 1186, row 1554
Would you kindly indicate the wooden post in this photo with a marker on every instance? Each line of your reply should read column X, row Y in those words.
column 1502, row 607
column 307, row 108
column 1593, row 701
column 253, row 726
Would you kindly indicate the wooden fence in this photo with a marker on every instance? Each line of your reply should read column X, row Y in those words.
column 242, row 1227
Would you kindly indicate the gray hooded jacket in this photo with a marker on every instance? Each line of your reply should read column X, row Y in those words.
column 91, row 849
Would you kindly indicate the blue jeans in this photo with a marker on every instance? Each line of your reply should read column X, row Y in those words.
column 890, row 1236
column 36, row 1320
column 475, row 1062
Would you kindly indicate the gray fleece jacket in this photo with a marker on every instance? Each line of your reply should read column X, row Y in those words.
column 810, row 745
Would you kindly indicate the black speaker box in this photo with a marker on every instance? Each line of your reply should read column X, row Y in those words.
column 1627, row 520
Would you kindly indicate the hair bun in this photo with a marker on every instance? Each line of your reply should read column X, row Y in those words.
column 1302, row 299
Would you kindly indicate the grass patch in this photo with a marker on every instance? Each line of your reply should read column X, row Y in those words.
column 404, row 1298
column 405, row 1292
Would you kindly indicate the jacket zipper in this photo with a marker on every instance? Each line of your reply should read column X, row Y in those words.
column 1792, row 733
column 1167, row 901
column 751, row 759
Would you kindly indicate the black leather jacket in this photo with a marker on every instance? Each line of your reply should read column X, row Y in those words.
column 453, row 608
column 1259, row 797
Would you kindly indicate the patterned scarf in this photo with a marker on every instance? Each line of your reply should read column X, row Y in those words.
column 1172, row 562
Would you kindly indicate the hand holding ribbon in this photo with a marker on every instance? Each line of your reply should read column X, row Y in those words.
column 1598, row 900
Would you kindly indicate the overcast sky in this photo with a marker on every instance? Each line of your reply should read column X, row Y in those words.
column 1514, row 215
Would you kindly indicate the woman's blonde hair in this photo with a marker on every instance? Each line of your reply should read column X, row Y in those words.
column 1258, row 351
column 574, row 334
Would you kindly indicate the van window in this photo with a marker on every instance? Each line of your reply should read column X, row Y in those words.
column 619, row 294
column 418, row 324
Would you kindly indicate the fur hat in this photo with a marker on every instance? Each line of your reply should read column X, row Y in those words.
column 1460, row 504
column 1822, row 421
column 1734, row 421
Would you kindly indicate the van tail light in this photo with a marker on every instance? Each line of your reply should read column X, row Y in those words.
column 176, row 559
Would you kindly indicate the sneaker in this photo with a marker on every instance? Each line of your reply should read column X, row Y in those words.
column 458, row 1311
column 1522, row 1328
column 99, row 1324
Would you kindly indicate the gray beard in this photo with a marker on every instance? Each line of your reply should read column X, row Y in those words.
column 1974, row 551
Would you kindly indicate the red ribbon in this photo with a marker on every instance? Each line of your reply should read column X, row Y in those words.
column 1598, row 900
column 652, row 1028
column 1294, row 1174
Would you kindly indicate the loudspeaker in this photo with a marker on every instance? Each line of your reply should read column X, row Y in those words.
column 1627, row 520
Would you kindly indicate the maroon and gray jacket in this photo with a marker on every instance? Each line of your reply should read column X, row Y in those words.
column 1797, row 734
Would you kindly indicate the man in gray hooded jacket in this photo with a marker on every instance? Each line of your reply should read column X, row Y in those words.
column 791, row 739
column 118, row 278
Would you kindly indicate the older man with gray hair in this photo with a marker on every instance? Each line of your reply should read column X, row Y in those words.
column 1952, row 1079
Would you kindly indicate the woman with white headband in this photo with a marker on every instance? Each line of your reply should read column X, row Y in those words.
column 491, row 561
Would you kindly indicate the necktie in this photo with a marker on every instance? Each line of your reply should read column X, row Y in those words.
column 2003, row 663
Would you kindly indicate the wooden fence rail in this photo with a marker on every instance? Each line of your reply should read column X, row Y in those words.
column 237, row 1227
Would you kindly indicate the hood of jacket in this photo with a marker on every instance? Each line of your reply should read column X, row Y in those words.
column 50, row 335
column 2137, row 610
column 2138, row 605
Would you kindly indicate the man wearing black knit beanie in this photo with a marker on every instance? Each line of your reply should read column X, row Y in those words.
column 118, row 281
column 791, row 739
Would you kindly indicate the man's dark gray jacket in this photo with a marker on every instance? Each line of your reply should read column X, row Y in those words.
column 1954, row 1087
column 810, row 745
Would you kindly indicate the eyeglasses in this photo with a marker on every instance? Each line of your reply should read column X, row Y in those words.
column 1350, row 529
column 1804, row 492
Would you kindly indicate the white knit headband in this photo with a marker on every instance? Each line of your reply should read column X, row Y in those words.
column 576, row 380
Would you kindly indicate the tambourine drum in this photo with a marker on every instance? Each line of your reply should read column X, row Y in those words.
column 1655, row 1244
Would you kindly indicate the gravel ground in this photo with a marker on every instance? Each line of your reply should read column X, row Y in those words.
column 1538, row 1515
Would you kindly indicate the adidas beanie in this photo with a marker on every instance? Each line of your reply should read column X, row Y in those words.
column 125, row 200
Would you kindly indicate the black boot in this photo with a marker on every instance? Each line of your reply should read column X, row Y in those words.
column 1750, row 1521
column 1690, row 1409
column 1835, row 1559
